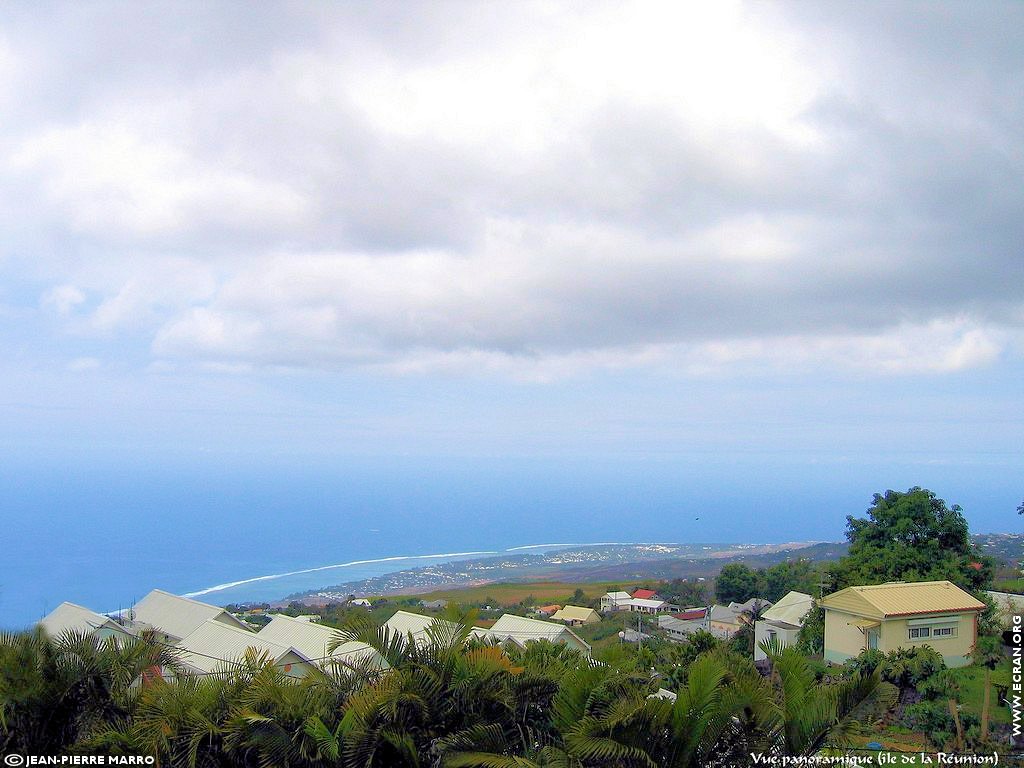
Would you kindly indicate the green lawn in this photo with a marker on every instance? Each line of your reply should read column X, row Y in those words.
column 1013, row 585
column 972, row 690
column 544, row 592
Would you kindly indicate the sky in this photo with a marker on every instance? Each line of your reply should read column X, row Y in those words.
column 778, row 234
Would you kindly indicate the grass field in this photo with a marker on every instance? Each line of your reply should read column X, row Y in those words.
column 972, row 690
column 1013, row 585
column 509, row 593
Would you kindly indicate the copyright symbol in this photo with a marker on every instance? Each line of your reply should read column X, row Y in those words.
column 14, row 760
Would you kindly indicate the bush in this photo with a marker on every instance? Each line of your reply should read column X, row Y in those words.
column 934, row 719
column 941, row 685
column 905, row 667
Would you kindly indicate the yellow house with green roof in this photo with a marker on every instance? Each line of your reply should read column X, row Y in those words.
column 901, row 615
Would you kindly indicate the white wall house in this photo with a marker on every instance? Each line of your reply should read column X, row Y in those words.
column 521, row 630
column 679, row 626
column 215, row 647
column 174, row 617
column 313, row 640
column 68, row 617
column 782, row 622
column 615, row 601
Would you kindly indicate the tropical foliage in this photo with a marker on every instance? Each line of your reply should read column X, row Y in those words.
column 448, row 701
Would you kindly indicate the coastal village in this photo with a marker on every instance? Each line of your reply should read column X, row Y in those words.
column 883, row 617
column 870, row 663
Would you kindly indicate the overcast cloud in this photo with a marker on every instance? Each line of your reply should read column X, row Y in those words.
column 530, row 189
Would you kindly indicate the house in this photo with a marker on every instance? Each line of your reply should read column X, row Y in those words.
column 419, row 627
column 172, row 617
column 521, row 630
column 628, row 635
column 313, row 640
column 901, row 615
column 362, row 602
column 434, row 605
column 723, row 621
column 645, row 594
column 68, row 617
column 217, row 647
column 547, row 610
column 574, row 615
column 1007, row 605
column 679, row 626
column 782, row 622
column 615, row 601
column 648, row 605
column 751, row 605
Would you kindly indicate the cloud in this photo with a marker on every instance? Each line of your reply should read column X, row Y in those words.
column 80, row 364
column 536, row 191
column 63, row 299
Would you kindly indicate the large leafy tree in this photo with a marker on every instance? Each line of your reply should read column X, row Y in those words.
column 911, row 536
column 736, row 582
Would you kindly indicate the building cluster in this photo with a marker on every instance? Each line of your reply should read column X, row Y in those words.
column 209, row 639
column 883, row 617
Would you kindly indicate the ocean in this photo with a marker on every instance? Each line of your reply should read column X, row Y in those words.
column 102, row 532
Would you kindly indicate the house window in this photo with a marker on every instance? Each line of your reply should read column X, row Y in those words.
column 944, row 632
column 920, row 633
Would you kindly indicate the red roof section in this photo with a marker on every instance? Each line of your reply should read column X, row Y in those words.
column 644, row 594
column 690, row 615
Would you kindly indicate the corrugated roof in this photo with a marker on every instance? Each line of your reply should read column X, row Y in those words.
column 790, row 609
column 644, row 594
column 214, row 646
column 750, row 604
column 724, row 614
column 645, row 603
column 312, row 640
column 521, row 630
column 406, row 623
column 902, row 599
column 69, row 616
column 696, row 613
column 575, row 613
column 178, row 616
column 618, row 595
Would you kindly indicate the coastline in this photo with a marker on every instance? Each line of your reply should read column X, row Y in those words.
column 593, row 562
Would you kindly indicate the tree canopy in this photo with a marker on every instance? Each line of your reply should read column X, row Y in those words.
column 736, row 582
column 911, row 536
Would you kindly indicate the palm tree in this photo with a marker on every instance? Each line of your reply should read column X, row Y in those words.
column 58, row 692
column 811, row 716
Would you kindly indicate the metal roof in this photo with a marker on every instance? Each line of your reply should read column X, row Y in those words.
column 618, row 595
column 406, row 623
column 902, row 599
column 214, row 646
column 178, row 616
column 521, row 630
column 790, row 609
column 645, row 603
column 69, row 616
column 312, row 640
column 575, row 613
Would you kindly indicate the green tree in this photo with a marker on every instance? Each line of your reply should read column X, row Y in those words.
column 683, row 592
column 736, row 583
column 789, row 576
column 911, row 536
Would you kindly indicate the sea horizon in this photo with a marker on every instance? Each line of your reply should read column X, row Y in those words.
column 103, row 533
